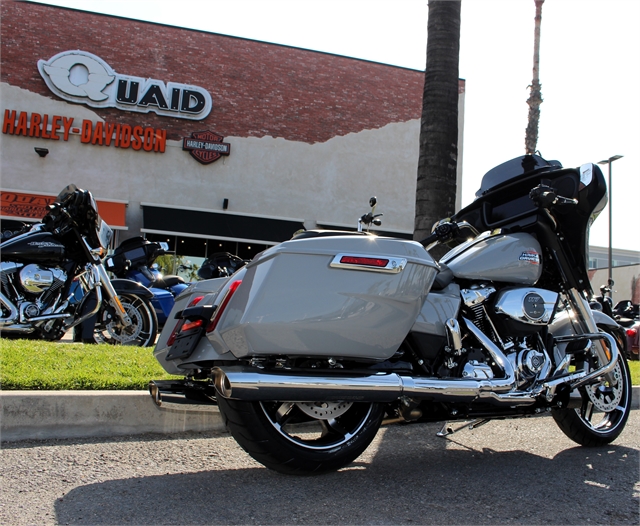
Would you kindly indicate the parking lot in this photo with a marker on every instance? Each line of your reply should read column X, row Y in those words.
column 506, row 472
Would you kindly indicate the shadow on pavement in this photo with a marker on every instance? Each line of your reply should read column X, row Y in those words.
column 414, row 477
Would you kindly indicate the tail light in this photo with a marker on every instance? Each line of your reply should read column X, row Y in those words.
column 180, row 326
column 631, row 333
column 223, row 305
column 375, row 263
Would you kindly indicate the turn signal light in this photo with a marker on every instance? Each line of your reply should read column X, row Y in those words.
column 188, row 325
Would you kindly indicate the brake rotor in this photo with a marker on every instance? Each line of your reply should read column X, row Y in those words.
column 324, row 410
column 606, row 398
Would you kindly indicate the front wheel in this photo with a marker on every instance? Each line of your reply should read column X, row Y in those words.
column 144, row 323
column 302, row 438
column 603, row 413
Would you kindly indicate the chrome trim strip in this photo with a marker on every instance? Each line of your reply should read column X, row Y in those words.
column 394, row 265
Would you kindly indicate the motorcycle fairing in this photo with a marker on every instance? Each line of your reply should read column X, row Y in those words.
column 504, row 203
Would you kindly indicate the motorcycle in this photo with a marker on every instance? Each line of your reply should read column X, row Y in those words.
column 219, row 265
column 627, row 314
column 318, row 341
column 134, row 259
column 53, row 279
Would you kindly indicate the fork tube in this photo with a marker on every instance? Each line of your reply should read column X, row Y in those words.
column 111, row 294
column 588, row 325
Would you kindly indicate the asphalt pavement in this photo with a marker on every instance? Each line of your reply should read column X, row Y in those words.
column 506, row 472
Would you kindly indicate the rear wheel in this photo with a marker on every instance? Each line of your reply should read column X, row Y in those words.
column 302, row 438
column 603, row 412
column 144, row 323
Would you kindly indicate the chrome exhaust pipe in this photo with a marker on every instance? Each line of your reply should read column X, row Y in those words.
column 249, row 384
column 12, row 316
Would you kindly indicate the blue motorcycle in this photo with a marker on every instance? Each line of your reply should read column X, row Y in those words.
column 134, row 260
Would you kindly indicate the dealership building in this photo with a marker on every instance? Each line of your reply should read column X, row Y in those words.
column 211, row 142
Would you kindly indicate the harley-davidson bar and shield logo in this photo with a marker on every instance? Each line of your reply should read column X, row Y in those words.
column 206, row 146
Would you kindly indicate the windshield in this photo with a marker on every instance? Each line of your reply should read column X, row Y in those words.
column 66, row 192
column 513, row 169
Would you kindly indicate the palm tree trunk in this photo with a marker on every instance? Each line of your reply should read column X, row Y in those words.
column 535, row 97
column 436, row 185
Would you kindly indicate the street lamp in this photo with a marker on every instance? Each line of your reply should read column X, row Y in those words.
column 610, row 280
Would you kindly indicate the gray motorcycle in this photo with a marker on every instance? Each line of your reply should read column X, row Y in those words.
column 320, row 340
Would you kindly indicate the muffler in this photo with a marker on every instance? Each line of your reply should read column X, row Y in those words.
column 248, row 384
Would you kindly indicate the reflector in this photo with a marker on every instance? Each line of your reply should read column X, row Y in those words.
column 223, row 305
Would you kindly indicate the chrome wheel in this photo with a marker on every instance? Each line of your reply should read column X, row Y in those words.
column 302, row 438
column 603, row 413
column 317, row 425
column 143, row 329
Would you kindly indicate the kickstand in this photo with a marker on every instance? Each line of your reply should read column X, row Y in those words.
column 448, row 430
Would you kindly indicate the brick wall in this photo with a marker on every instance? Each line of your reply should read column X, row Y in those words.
column 258, row 89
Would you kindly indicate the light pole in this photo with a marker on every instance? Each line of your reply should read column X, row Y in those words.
column 610, row 280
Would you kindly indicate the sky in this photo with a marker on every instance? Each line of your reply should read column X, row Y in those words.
column 589, row 71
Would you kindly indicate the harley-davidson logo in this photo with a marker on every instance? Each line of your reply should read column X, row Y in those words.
column 206, row 146
column 531, row 256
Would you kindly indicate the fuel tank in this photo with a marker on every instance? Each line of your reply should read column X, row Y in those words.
column 33, row 247
column 508, row 258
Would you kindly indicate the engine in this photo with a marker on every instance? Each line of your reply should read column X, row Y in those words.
column 31, row 288
column 515, row 319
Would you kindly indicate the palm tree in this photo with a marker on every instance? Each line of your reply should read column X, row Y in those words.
column 535, row 97
column 436, row 185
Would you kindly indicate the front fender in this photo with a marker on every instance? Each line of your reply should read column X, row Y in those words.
column 561, row 326
column 127, row 286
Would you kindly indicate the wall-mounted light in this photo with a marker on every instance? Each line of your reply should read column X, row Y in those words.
column 42, row 152
column 225, row 203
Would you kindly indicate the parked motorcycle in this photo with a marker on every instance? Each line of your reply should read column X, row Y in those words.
column 134, row 259
column 220, row 265
column 52, row 279
column 318, row 341
column 627, row 314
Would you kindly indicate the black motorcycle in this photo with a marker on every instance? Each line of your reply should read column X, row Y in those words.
column 53, row 279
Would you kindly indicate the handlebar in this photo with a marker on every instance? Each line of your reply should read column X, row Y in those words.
column 446, row 231
column 544, row 196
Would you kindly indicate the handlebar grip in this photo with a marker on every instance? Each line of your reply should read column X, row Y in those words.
column 429, row 239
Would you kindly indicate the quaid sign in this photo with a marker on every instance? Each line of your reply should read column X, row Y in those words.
column 84, row 78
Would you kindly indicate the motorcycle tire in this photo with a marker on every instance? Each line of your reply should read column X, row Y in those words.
column 141, row 333
column 603, row 412
column 302, row 438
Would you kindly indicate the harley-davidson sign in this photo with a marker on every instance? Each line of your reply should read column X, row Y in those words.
column 206, row 146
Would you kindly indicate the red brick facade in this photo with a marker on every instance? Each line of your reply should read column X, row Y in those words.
column 258, row 89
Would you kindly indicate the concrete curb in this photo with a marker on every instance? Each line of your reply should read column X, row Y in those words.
column 80, row 414
column 74, row 414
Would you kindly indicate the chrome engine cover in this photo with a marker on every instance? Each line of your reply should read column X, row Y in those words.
column 532, row 306
column 36, row 279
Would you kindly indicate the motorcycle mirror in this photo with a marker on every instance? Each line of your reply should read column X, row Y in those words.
column 373, row 201
column 164, row 246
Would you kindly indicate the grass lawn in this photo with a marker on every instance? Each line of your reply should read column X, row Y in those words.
column 29, row 364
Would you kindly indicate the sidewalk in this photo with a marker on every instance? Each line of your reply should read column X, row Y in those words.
column 75, row 414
